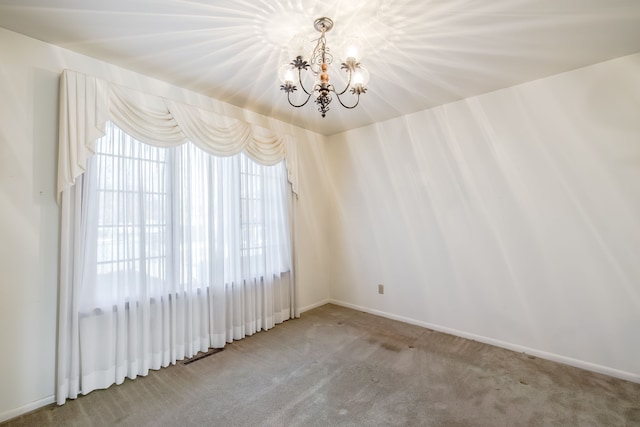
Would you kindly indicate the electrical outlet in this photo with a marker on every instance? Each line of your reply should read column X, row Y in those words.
column 381, row 289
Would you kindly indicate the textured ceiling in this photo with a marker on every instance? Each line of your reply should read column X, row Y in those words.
column 420, row 53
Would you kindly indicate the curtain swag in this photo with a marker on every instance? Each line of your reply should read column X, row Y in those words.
column 87, row 103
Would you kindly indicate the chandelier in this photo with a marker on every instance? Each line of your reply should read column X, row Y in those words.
column 318, row 64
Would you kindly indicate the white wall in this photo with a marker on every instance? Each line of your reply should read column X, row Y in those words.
column 511, row 217
column 29, row 215
column 312, row 222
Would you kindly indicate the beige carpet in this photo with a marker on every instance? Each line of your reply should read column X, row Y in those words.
column 340, row 367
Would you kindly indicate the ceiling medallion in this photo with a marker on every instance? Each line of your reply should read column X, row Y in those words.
column 318, row 64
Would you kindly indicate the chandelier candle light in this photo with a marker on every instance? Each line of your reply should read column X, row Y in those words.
column 318, row 64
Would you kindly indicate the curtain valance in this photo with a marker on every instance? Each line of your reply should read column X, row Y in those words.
column 87, row 103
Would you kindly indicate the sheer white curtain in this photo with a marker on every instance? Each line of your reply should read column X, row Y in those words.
column 164, row 253
column 171, row 251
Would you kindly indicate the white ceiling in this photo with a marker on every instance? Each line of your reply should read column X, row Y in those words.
column 420, row 53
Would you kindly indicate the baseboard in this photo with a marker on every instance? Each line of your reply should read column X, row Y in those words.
column 315, row 305
column 13, row 413
column 612, row 372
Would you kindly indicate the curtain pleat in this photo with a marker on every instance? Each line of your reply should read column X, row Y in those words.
column 147, row 120
column 83, row 113
column 217, row 135
column 68, row 366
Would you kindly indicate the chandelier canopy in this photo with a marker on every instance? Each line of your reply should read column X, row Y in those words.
column 318, row 64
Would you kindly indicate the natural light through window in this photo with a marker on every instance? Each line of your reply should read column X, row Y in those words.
column 179, row 216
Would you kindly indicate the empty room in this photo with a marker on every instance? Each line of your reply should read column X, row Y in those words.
column 338, row 213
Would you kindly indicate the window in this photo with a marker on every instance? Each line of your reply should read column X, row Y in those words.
column 176, row 220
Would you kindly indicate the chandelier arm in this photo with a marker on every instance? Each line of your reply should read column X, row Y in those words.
column 346, row 106
column 301, row 85
column 301, row 105
column 345, row 88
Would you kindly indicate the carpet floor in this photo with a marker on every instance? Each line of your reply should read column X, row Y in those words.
column 340, row 367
